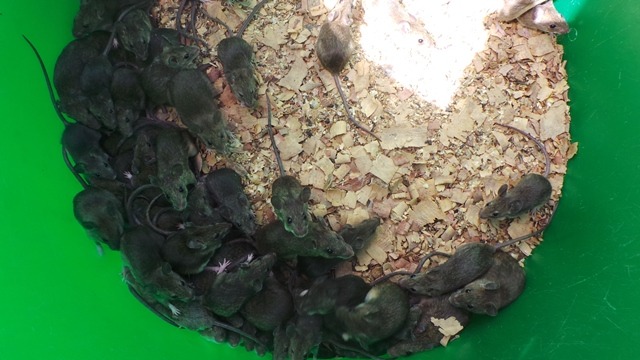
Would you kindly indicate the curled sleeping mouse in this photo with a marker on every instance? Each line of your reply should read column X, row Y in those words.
column 269, row 308
column 101, row 214
column 226, row 191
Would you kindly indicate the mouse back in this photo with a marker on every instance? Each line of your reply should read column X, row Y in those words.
column 531, row 192
column 500, row 286
column 334, row 46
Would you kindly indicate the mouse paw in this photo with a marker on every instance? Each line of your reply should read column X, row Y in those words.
column 221, row 266
column 174, row 310
column 249, row 259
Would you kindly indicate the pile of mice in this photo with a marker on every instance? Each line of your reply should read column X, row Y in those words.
column 192, row 247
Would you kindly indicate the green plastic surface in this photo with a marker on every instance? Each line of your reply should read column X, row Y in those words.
column 60, row 300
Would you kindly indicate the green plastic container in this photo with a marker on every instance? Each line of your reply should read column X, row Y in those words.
column 60, row 300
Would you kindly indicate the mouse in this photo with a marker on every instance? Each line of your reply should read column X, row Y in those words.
column 200, row 210
column 101, row 214
column 134, row 33
column 173, row 150
column 470, row 261
column 140, row 248
column 226, row 191
column 320, row 241
column 334, row 47
column 357, row 236
column 299, row 337
column 192, row 94
column 531, row 192
column 512, row 9
column 326, row 294
column 269, row 308
column 128, row 98
column 424, row 334
column 156, row 76
column 382, row 314
column 236, row 57
column 230, row 290
column 188, row 251
column 289, row 198
column 96, row 15
column 498, row 287
column 83, row 144
column 546, row 18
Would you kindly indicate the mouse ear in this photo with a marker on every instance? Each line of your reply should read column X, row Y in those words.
column 196, row 244
column 515, row 206
column 491, row 309
column 166, row 268
column 305, row 194
column 503, row 190
column 276, row 202
column 491, row 285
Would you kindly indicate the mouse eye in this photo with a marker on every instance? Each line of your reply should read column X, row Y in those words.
column 553, row 26
column 304, row 216
column 329, row 251
column 181, row 189
column 467, row 291
column 495, row 214
column 289, row 220
column 413, row 290
column 469, row 306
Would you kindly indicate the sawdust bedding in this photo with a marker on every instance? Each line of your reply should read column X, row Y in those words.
column 437, row 164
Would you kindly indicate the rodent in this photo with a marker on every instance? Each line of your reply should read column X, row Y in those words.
column 334, row 47
column 236, row 57
column 192, row 94
column 325, row 295
column 469, row 262
column 320, row 241
column 531, row 192
column 134, row 33
column 189, row 250
column 140, row 248
column 497, row 288
column 289, row 198
column 300, row 336
column 230, row 290
column 128, row 98
column 101, row 214
column 269, row 308
column 357, row 236
column 424, row 335
column 231, row 202
column 80, row 141
column 101, row 14
column 514, row 8
column 545, row 17
column 173, row 150
column 382, row 313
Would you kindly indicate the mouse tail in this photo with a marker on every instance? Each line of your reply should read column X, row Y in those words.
column 543, row 149
column 247, row 21
column 353, row 120
column 54, row 101
column 65, row 157
column 273, row 140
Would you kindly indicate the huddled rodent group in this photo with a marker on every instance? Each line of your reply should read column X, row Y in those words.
column 192, row 250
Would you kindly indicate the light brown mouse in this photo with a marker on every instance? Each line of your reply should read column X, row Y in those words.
column 545, row 17
column 334, row 47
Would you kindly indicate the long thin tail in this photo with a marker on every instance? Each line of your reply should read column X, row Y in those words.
column 246, row 21
column 547, row 161
column 54, row 102
column 353, row 120
column 273, row 140
column 535, row 233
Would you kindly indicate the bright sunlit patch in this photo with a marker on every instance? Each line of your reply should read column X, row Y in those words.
column 428, row 50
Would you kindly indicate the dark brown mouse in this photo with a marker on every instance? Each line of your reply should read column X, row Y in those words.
column 83, row 144
column 531, row 192
column 192, row 94
column 424, row 334
column 289, row 198
column 156, row 76
column 173, row 150
column 320, row 241
column 230, row 200
column 497, row 288
column 230, row 290
column 189, row 250
column 357, row 236
column 299, row 337
column 382, row 314
column 134, row 33
column 101, row 214
column 325, row 295
column 140, row 248
column 128, row 97
column 334, row 47
column 269, row 308
column 469, row 262
column 236, row 56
